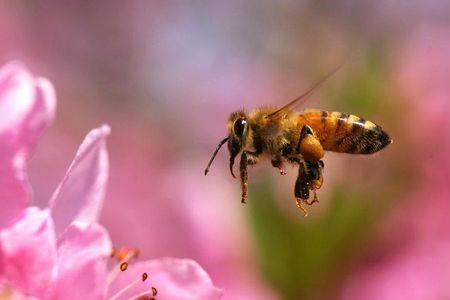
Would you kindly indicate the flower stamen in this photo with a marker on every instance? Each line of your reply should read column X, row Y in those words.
column 123, row 266
column 123, row 253
column 123, row 256
column 148, row 295
column 143, row 278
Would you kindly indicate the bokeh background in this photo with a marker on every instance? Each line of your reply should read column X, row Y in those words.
column 166, row 74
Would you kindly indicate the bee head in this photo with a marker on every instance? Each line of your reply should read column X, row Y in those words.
column 237, row 134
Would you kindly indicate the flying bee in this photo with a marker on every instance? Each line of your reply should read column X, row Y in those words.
column 299, row 138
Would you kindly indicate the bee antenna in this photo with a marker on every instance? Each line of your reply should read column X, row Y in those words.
column 215, row 153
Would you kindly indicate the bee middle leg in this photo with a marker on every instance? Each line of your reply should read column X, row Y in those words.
column 247, row 158
column 277, row 162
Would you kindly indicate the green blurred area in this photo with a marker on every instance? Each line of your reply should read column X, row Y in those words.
column 364, row 90
column 305, row 258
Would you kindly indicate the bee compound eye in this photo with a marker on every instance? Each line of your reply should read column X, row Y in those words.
column 239, row 126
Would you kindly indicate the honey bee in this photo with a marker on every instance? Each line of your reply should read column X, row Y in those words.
column 299, row 138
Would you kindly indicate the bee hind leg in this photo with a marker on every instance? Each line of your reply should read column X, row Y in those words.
column 317, row 180
column 301, row 190
column 247, row 158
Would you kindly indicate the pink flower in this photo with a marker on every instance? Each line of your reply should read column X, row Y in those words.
column 61, row 252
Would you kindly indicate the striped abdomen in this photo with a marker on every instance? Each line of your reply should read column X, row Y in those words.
column 340, row 132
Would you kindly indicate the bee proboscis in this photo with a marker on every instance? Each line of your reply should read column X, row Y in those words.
column 299, row 138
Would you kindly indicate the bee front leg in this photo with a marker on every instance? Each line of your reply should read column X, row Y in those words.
column 244, row 176
column 247, row 158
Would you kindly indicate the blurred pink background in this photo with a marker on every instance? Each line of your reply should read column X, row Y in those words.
column 165, row 75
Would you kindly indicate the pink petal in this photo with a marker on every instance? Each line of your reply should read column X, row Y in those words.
column 27, row 107
column 17, row 97
column 9, row 294
column 42, row 113
column 175, row 279
column 81, row 270
column 28, row 252
column 80, row 194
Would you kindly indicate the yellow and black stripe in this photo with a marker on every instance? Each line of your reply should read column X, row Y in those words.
column 346, row 133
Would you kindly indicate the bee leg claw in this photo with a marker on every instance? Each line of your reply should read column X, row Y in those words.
column 244, row 199
column 300, row 206
column 314, row 200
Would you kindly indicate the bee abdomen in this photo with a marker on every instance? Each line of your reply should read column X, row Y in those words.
column 348, row 133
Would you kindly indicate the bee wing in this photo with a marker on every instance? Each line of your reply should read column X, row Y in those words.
column 303, row 97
